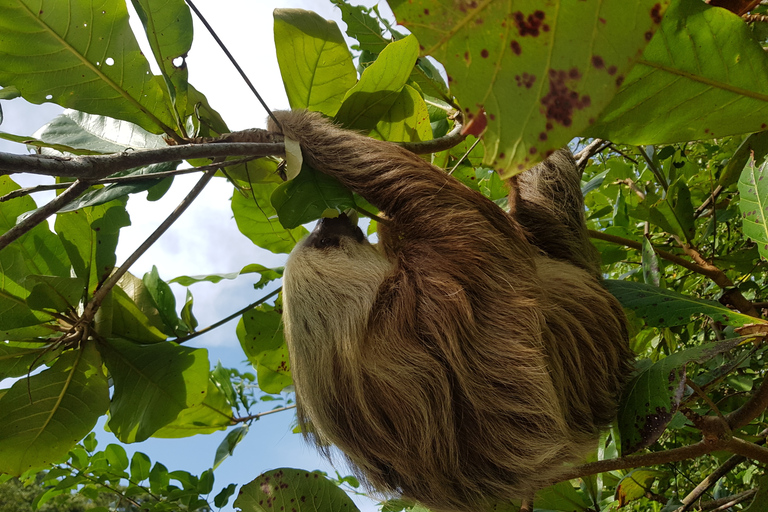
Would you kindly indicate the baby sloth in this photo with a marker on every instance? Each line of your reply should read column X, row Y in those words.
column 469, row 354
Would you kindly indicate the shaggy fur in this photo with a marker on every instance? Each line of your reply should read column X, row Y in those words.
column 470, row 354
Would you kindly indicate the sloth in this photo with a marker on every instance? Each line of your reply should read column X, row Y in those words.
column 471, row 353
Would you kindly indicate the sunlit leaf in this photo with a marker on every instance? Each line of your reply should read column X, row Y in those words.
column 379, row 87
column 290, row 488
column 407, row 120
column 212, row 414
column 260, row 332
column 267, row 274
column 696, row 58
column 153, row 384
column 228, row 445
column 636, row 485
column 258, row 220
column 753, row 186
column 314, row 60
column 541, row 71
column 80, row 57
column 66, row 400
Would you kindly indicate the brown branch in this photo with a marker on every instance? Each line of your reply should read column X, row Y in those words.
column 647, row 459
column 729, row 501
column 589, row 151
column 751, row 409
column 93, row 306
column 94, row 167
column 709, row 201
column 746, row 449
column 44, row 212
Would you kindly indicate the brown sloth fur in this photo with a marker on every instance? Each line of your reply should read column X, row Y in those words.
column 470, row 354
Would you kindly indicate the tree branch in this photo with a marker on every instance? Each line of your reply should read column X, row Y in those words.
column 39, row 215
column 257, row 416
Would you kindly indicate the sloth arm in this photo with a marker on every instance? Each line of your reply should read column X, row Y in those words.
column 424, row 204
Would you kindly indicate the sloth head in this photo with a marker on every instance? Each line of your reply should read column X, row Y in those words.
column 331, row 281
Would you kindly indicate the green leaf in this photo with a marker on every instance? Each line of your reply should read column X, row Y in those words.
column 17, row 359
column 697, row 57
column 674, row 213
column 168, row 26
column 362, row 27
column 257, row 220
column 261, row 336
column 212, row 414
column 753, row 187
column 159, row 479
column 187, row 316
column 407, row 120
column 54, row 292
column 665, row 308
column 165, row 301
column 221, row 499
column 153, row 384
column 753, row 147
column 636, row 484
column 90, row 238
column 653, row 395
column 650, row 262
column 315, row 64
column 228, row 445
column 82, row 58
column 66, row 400
column 379, row 87
column 140, row 465
column 306, row 197
column 36, row 252
column 129, row 312
column 560, row 496
column 267, row 275
column 542, row 71
column 116, row 456
column 289, row 489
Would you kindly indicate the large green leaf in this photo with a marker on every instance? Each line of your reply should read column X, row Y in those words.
column 315, row 64
column 362, row 26
column 260, row 332
column 43, row 416
column 407, row 119
column 153, row 384
column 653, row 395
column 129, row 311
column 379, row 86
column 82, row 56
column 168, row 26
column 702, row 55
column 90, row 236
column 306, row 197
column 17, row 359
column 293, row 489
column 753, row 187
column 37, row 252
column 212, row 414
column 542, row 71
column 665, row 308
column 257, row 220
column 54, row 292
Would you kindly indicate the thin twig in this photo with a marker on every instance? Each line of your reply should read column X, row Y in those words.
column 44, row 212
column 101, row 293
column 257, row 416
column 655, row 170
column 232, row 60
column 227, row 319
column 463, row 157
column 710, row 201
column 723, row 504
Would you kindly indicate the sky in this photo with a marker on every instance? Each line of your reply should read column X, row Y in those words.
column 205, row 239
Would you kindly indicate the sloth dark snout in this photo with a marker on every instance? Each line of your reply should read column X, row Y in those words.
column 329, row 232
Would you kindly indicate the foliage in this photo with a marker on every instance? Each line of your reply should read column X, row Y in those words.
column 680, row 223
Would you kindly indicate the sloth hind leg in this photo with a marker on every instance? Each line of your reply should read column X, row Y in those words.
column 547, row 201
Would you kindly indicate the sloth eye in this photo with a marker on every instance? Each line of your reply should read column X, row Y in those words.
column 328, row 242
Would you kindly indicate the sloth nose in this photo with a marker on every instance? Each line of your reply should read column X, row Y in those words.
column 335, row 228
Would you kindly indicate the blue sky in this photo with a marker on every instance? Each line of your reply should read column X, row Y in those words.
column 205, row 239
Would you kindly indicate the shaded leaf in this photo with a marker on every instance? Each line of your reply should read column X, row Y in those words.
column 212, row 414
column 306, row 197
column 315, row 64
column 650, row 262
column 407, row 120
column 18, row 359
column 66, row 400
column 153, row 384
column 165, row 301
column 296, row 489
column 665, row 308
column 54, row 292
column 228, row 445
column 267, row 275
